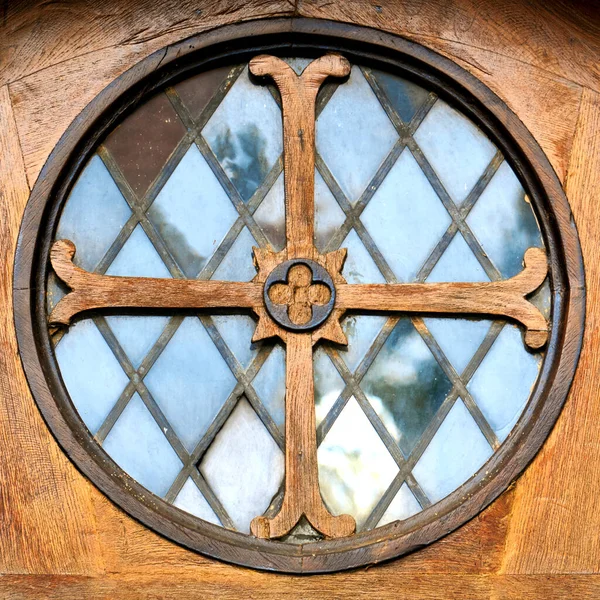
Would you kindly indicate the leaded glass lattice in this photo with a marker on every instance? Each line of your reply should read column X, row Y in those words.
column 188, row 406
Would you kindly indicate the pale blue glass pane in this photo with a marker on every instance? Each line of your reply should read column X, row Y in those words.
column 456, row 452
column 238, row 264
column 459, row 339
column 328, row 214
column 269, row 384
column 237, row 332
column 93, row 215
column 138, row 258
column 139, row 447
column 192, row 213
column 92, row 374
column 270, row 215
column 243, row 466
column 192, row 501
column 406, row 218
column 458, row 263
column 361, row 331
column 245, row 133
column 328, row 384
column 504, row 223
column 403, row 506
column 359, row 266
column 190, row 381
column 405, row 96
column 405, row 385
column 136, row 334
column 458, row 151
column 503, row 383
column 354, row 135
column 355, row 468
column 543, row 299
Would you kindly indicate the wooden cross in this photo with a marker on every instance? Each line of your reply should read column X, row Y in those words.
column 299, row 296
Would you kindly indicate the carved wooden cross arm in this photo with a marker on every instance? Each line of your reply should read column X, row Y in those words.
column 299, row 295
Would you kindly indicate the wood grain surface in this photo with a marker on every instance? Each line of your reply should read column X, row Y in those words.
column 61, row 538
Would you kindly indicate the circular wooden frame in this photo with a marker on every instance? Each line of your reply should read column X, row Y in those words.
column 237, row 42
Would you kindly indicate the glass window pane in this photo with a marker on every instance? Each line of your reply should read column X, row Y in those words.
column 403, row 506
column 192, row 501
column 243, row 466
column 354, row 135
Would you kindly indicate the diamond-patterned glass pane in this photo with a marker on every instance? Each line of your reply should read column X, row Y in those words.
column 243, row 466
column 504, row 223
column 406, row 218
column 405, row 385
column 457, row 150
column 503, row 383
column 92, row 374
column 354, row 135
column 140, row 448
column 402, row 371
column 191, row 500
column 403, row 506
column 190, row 381
column 456, row 452
column 355, row 467
column 192, row 213
column 94, row 215
column 245, row 134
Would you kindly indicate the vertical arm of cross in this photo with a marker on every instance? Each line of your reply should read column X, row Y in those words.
column 298, row 99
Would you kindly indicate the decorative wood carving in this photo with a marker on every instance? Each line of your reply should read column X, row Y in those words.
column 301, row 294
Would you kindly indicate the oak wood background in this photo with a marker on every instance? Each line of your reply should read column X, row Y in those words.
column 61, row 538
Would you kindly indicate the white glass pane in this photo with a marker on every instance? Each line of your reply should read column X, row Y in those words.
column 405, row 218
column 138, row 258
column 190, row 381
column 354, row 135
column 328, row 384
column 359, row 266
column 269, row 384
column 457, row 263
column 92, row 374
column 298, row 64
column 93, row 215
column 243, row 466
column 361, row 331
column 504, row 223
column 245, row 133
column 456, row 452
column 238, row 264
column 270, row 215
column 458, row 151
column 192, row 501
column 403, row 506
column 459, row 339
column 355, row 468
column 328, row 214
column 503, row 383
column 405, row 385
column 237, row 332
column 139, row 447
column 192, row 213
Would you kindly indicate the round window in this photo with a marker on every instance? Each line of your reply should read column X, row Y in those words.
column 299, row 307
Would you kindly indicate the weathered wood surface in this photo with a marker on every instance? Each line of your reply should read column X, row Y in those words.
column 61, row 538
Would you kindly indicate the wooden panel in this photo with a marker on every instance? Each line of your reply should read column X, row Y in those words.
column 46, row 515
column 556, row 521
column 536, row 56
